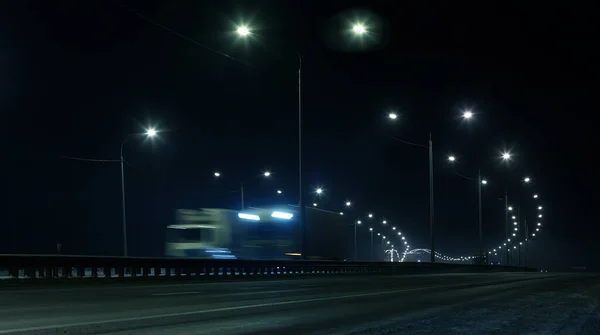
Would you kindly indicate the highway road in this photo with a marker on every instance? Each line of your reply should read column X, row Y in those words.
column 500, row 303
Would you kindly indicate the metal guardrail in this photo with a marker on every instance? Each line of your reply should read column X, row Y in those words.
column 31, row 267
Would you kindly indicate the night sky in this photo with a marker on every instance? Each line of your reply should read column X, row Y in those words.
column 76, row 77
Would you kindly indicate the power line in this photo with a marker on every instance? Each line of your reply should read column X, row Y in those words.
column 180, row 35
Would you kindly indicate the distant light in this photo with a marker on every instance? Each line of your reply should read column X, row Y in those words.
column 341, row 213
column 370, row 215
column 533, row 234
column 535, row 196
column 393, row 228
column 516, row 228
column 506, row 156
column 403, row 237
column 539, row 224
column 217, row 174
column 467, row 114
column 151, row 132
column 510, row 208
column 521, row 243
column 279, row 192
column 348, row 203
column 319, row 190
column 514, row 234
column 399, row 233
column 514, row 217
column 515, row 223
column 539, row 216
column 267, row 174
column 537, row 229
column 388, row 242
column 358, row 222
column 370, row 229
column 243, row 31
column 515, row 247
column 282, row 215
column 526, row 179
column 540, row 208
column 393, row 116
column 248, row 217
column 314, row 204
column 451, row 158
column 384, row 221
column 484, row 182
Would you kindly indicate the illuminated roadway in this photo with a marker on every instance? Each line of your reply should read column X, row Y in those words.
column 501, row 303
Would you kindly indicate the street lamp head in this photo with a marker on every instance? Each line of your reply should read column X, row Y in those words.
column 151, row 132
column 370, row 229
column 451, row 158
column 358, row 222
column 243, row 31
column 348, row 203
column 484, row 182
column 526, row 179
column 393, row 228
column 393, row 116
column 505, row 156
column 279, row 192
column 341, row 213
column 535, row 196
column 370, row 215
column 540, row 208
column 267, row 174
column 217, row 174
column 314, row 204
column 467, row 115
column 359, row 29
column 319, row 191
column 384, row 222
column 510, row 208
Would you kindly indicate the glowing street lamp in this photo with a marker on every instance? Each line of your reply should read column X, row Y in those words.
column 393, row 116
column 319, row 191
column 484, row 182
column 510, row 208
column 151, row 132
column 540, row 208
column 535, row 196
column 359, row 29
column 370, row 215
column 384, row 221
column 267, row 174
column 526, row 179
column 348, row 203
column 506, row 156
column 314, row 204
column 243, row 31
column 279, row 192
column 467, row 115
column 217, row 174
column 451, row 158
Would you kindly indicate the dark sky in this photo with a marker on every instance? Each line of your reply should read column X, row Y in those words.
column 79, row 76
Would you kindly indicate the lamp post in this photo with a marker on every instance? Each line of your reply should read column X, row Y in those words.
column 245, row 31
column 151, row 132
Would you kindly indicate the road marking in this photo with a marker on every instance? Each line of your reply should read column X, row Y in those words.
column 243, row 307
column 173, row 293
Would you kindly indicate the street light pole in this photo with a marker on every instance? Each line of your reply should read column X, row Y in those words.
column 355, row 248
column 302, row 213
column 123, row 202
column 371, row 250
column 432, row 260
column 506, row 226
column 479, row 183
column 151, row 132
column 242, row 193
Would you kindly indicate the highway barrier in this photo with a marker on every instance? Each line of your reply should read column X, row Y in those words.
column 58, row 267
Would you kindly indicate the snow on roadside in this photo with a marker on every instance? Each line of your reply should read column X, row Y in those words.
column 543, row 313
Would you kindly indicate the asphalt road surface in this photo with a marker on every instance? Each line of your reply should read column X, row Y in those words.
column 504, row 303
